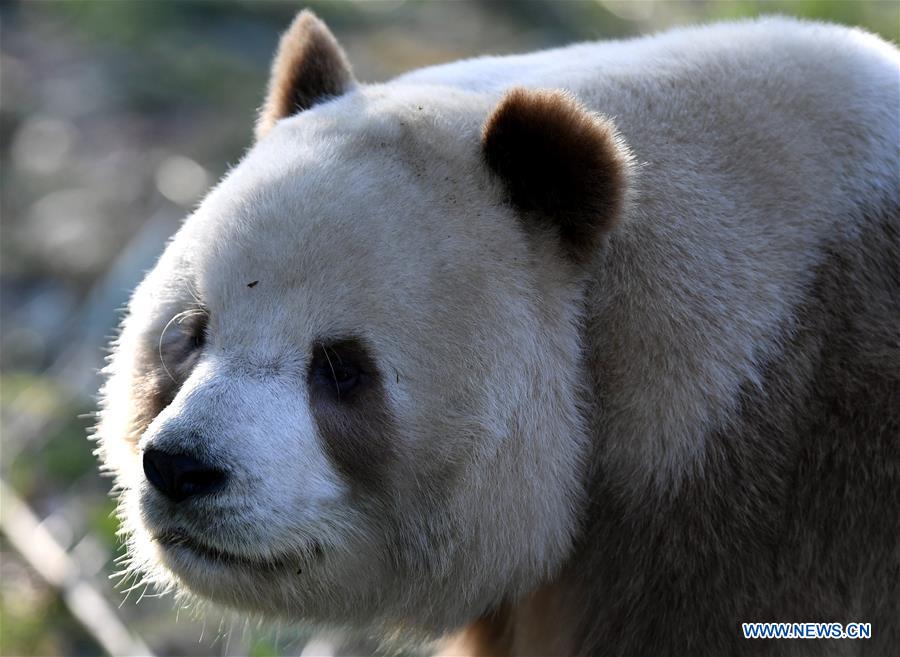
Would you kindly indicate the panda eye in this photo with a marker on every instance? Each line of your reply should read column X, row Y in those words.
column 340, row 369
column 345, row 376
column 181, row 342
column 193, row 326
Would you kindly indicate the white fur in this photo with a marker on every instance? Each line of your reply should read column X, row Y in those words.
column 727, row 122
column 341, row 249
column 373, row 214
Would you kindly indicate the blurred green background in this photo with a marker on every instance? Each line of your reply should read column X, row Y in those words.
column 115, row 117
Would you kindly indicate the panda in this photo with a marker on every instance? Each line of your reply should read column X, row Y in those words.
column 594, row 350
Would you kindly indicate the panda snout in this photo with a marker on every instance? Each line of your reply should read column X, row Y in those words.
column 179, row 476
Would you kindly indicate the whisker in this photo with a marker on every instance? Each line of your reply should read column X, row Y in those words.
column 337, row 388
column 176, row 319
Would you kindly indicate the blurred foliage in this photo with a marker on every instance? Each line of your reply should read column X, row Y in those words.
column 114, row 119
column 34, row 620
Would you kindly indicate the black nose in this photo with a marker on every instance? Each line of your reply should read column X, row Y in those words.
column 179, row 476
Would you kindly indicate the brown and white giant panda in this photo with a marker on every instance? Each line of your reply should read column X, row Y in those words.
column 588, row 351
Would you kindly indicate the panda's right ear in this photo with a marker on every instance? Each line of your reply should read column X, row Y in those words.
column 561, row 165
column 310, row 67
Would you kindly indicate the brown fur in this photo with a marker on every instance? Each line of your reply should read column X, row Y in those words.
column 310, row 67
column 796, row 516
column 489, row 635
column 161, row 369
column 559, row 163
column 356, row 431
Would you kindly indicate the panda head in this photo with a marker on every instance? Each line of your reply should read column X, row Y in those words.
column 350, row 390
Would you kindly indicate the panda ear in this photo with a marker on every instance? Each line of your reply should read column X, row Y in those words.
column 561, row 165
column 310, row 67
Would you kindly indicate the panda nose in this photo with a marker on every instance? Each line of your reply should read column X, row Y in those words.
column 180, row 476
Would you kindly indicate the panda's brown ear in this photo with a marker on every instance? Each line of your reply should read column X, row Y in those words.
column 310, row 67
column 560, row 164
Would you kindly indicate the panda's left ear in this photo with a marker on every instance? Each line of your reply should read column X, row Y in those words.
column 310, row 67
column 561, row 165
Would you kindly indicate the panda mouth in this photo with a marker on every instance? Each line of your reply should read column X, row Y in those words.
column 176, row 539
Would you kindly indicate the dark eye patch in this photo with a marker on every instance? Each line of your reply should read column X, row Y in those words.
column 181, row 341
column 351, row 410
column 164, row 364
column 341, row 369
